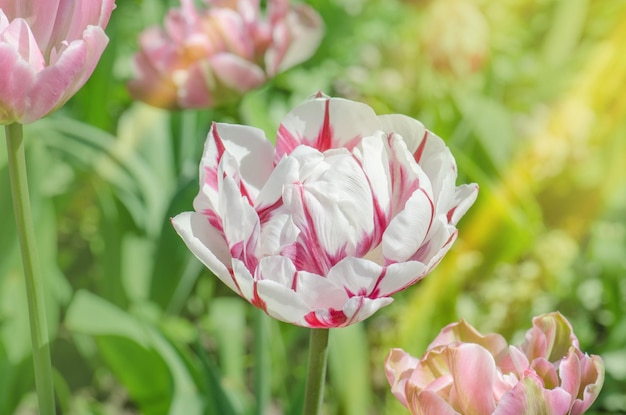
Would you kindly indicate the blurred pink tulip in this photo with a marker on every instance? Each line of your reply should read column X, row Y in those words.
column 464, row 372
column 207, row 57
column 48, row 50
column 348, row 209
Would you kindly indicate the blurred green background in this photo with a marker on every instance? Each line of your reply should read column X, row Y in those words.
column 529, row 95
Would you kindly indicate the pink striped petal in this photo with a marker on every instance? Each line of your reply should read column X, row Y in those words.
column 325, row 123
column 407, row 230
column 241, row 223
column 399, row 276
column 465, row 196
column 359, row 277
column 207, row 244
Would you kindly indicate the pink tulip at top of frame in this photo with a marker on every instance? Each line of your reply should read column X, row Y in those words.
column 207, row 56
column 48, row 50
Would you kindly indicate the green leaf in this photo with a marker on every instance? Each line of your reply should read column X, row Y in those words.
column 565, row 32
column 152, row 370
column 491, row 123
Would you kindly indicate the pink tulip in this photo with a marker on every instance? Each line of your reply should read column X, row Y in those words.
column 348, row 209
column 464, row 372
column 48, row 50
column 207, row 57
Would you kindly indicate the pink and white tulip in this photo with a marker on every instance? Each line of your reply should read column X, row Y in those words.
column 464, row 372
column 209, row 56
column 348, row 209
column 48, row 50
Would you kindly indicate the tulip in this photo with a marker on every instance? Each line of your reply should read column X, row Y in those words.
column 48, row 50
column 464, row 372
column 210, row 56
column 347, row 209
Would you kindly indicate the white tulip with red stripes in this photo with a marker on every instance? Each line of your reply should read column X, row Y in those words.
column 349, row 208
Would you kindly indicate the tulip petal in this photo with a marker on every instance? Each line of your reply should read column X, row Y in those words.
column 525, row 398
column 249, row 147
column 16, row 81
column 207, row 244
column 237, row 73
column 358, row 277
column 57, row 83
column 465, row 196
column 332, row 207
column 429, row 403
column 399, row 276
column 570, row 373
column 474, row 375
column 296, row 41
column 407, row 230
column 323, row 124
column 241, row 223
column 399, row 366
column 592, row 379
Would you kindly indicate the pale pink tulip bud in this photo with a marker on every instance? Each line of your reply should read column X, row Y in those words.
column 463, row 372
column 209, row 56
column 349, row 208
column 48, row 50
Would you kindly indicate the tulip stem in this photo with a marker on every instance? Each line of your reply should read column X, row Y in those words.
column 32, row 274
column 316, row 371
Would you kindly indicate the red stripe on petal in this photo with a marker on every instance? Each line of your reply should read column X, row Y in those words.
column 285, row 143
column 244, row 192
column 376, row 290
column 309, row 254
column 294, row 281
column 256, row 300
column 265, row 212
column 214, row 219
column 335, row 318
column 219, row 144
column 450, row 214
column 232, row 277
column 325, row 136
column 420, row 148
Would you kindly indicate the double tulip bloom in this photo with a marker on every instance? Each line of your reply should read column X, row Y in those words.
column 320, row 231
column 464, row 372
column 209, row 56
column 48, row 50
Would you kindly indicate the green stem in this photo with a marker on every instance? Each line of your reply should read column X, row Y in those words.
column 32, row 275
column 316, row 371
column 261, row 362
